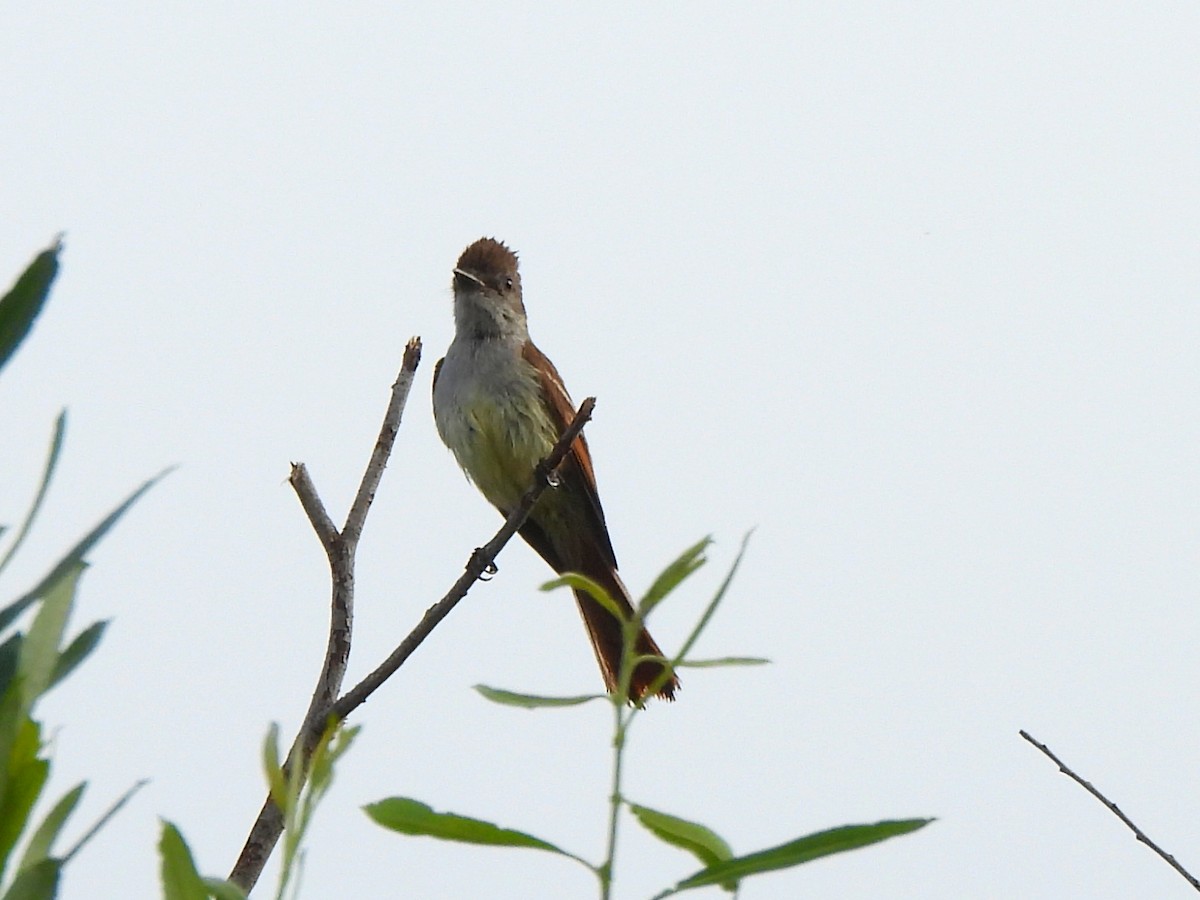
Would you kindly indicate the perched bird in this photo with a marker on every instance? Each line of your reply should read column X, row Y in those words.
column 500, row 406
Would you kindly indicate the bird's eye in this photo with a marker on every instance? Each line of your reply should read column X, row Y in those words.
column 508, row 283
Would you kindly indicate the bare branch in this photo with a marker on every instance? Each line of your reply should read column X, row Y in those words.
column 481, row 561
column 383, row 444
column 301, row 483
column 1115, row 810
column 340, row 549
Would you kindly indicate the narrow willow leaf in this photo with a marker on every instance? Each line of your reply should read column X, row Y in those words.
column 532, row 701
column 303, row 798
column 77, row 651
column 60, row 428
column 27, row 774
column 39, row 650
column 22, row 304
column 103, row 820
column 39, row 845
column 578, row 582
column 10, row 652
column 333, row 745
column 413, row 817
column 711, row 609
column 24, row 786
column 12, row 726
column 37, row 883
column 180, row 880
column 699, row 840
column 724, row 661
column 673, row 575
column 276, row 781
column 78, row 552
column 802, row 850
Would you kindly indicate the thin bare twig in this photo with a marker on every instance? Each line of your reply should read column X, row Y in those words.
column 481, row 561
column 1114, row 809
column 340, row 549
column 322, row 524
column 383, row 444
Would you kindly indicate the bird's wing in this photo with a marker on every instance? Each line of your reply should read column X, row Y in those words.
column 576, row 470
column 437, row 370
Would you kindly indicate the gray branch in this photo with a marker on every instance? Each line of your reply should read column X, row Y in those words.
column 340, row 549
column 265, row 832
column 480, row 562
column 1115, row 810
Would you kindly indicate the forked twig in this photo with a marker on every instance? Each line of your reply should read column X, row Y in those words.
column 340, row 548
column 480, row 562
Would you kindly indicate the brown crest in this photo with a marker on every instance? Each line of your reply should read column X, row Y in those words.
column 490, row 259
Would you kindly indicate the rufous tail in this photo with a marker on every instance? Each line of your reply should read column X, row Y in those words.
column 606, row 635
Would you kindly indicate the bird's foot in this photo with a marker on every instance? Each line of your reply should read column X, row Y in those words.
column 487, row 568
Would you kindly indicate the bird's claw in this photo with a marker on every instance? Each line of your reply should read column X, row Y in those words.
column 487, row 569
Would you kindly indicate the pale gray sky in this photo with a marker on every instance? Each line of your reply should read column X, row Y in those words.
column 911, row 289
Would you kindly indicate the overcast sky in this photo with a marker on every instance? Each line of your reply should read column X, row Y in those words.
column 910, row 289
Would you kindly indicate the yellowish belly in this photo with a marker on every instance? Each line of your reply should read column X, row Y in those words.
column 502, row 440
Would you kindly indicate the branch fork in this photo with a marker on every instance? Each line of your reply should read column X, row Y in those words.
column 340, row 547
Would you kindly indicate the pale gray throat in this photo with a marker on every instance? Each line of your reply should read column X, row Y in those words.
column 478, row 319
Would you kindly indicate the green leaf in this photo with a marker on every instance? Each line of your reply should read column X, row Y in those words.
column 60, row 427
column 333, row 745
column 78, row 552
column 13, row 725
column 26, row 775
column 670, row 578
column 10, row 652
column 22, row 304
column 300, row 799
column 103, row 820
column 37, row 883
column 180, row 880
column 802, row 850
column 77, row 651
column 724, row 661
column 277, row 782
column 43, row 839
column 699, row 840
column 39, row 650
column 578, row 582
column 711, row 609
column 532, row 701
column 413, row 817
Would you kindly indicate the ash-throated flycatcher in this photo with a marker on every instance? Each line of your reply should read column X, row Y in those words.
column 500, row 407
